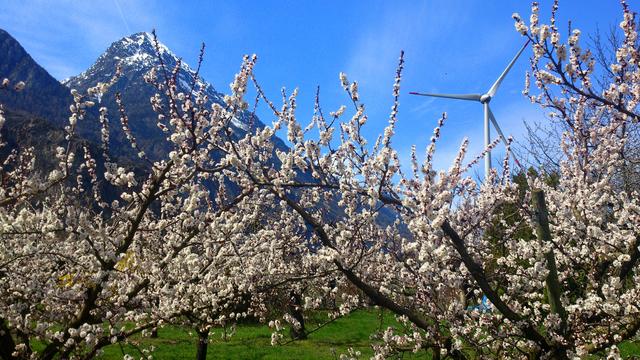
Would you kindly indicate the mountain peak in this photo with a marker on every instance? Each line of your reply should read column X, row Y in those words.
column 141, row 43
column 136, row 52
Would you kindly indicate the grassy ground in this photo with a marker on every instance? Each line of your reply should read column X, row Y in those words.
column 630, row 349
column 254, row 342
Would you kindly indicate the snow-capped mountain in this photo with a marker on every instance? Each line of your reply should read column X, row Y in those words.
column 137, row 55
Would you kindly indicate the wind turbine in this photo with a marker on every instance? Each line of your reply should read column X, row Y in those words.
column 484, row 99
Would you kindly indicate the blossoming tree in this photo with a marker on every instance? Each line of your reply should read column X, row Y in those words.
column 566, row 289
column 75, row 269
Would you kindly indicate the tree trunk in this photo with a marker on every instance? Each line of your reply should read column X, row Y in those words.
column 203, row 343
column 554, row 290
column 7, row 345
column 295, row 307
column 435, row 353
column 553, row 287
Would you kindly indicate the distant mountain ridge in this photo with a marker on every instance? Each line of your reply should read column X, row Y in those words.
column 43, row 96
column 35, row 116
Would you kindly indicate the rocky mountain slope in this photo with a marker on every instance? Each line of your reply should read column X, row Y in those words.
column 137, row 55
column 43, row 96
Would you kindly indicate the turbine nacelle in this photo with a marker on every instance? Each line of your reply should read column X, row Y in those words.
column 485, row 98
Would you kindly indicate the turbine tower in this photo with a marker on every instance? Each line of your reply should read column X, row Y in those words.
column 484, row 99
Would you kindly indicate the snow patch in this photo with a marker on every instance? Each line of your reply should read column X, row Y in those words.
column 239, row 123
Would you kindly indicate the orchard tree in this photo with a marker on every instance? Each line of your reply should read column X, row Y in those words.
column 568, row 289
column 600, row 68
column 73, row 272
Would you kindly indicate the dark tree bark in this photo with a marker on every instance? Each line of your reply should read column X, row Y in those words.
column 7, row 345
column 295, row 307
column 203, row 343
column 554, row 289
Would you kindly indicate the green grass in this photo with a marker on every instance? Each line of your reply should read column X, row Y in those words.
column 254, row 341
column 630, row 349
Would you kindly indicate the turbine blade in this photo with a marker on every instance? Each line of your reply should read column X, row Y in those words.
column 494, row 88
column 502, row 137
column 473, row 97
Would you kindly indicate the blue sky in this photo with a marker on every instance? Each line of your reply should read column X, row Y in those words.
column 450, row 46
